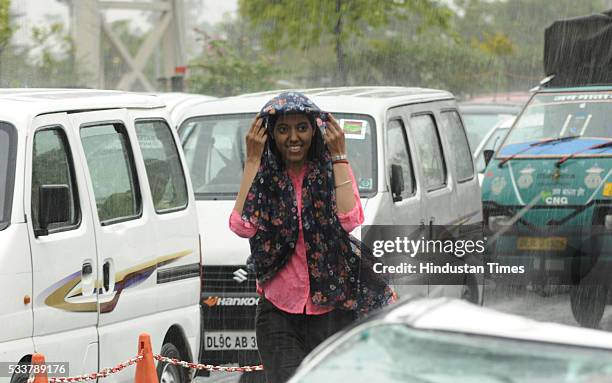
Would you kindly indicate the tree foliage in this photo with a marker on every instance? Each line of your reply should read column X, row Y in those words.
column 226, row 69
column 53, row 57
column 6, row 27
column 310, row 23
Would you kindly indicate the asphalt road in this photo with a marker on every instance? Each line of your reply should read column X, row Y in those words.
column 548, row 306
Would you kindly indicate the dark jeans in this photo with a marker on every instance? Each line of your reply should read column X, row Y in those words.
column 284, row 339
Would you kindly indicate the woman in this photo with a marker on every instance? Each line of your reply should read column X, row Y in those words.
column 298, row 201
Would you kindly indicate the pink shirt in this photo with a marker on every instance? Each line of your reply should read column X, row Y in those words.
column 289, row 289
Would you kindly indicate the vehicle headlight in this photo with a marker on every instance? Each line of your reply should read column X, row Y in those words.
column 499, row 222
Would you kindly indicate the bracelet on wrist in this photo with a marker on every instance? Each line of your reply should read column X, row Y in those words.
column 340, row 162
column 339, row 157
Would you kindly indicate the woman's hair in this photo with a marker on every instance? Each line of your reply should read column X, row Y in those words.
column 317, row 146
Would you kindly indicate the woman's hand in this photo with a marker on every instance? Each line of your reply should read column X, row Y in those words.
column 256, row 140
column 334, row 137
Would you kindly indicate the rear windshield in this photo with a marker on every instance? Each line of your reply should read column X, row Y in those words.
column 8, row 150
column 215, row 151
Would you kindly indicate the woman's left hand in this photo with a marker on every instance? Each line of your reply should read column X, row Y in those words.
column 334, row 137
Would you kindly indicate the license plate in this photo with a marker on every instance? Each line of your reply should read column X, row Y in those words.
column 542, row 244
column 230, row 340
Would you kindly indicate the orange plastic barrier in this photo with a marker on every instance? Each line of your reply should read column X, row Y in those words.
column 145, row 368
column 41, row 371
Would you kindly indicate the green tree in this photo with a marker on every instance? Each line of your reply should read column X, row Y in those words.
column 54, row 57
column 311, row 23
column 522, row 23
column 229, row 67
column 6, row 27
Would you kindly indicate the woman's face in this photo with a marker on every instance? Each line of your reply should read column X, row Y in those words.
column 293, row 135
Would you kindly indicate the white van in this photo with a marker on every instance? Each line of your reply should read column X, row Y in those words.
column 418, row 132
column 98, row 232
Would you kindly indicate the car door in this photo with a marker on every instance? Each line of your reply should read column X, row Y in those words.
column 406, row 208
column 64, row 260
column 125, row 238
column 467, row 189
column 437, row 187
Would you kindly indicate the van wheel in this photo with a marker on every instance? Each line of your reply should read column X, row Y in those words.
column 588, row 303
column 21, row 378
column 169, row 373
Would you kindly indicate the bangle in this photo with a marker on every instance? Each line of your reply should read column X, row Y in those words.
column 344, row 183
column 339, row 157
column 339, row 162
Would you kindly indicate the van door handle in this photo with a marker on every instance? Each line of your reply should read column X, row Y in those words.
column 108, row 273
column 88, row 282
column 86, row 269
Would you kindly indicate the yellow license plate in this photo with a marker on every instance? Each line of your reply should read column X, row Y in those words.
column 542, row 244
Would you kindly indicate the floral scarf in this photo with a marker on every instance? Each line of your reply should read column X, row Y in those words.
column 340, row 269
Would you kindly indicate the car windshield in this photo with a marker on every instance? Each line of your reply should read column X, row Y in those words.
column 7, row 171
column 549, row 116
column 398, row 353
column 478, row 125
column 493, row 143
column 215, row 152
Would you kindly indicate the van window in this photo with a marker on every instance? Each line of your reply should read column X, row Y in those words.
column 113, row 175
column 8, row 148
column 164, row 171
column 215, row 152
column 52, row 165
column 460, row 151
column 398, row 153
column 430, row 151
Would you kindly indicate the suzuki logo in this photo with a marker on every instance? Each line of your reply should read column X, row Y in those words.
column 240, row 275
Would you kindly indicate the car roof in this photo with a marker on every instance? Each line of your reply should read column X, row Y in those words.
column 366, row 99
column 434, row 314
column 35, row 102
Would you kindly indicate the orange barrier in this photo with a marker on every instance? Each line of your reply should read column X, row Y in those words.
column 145, row 368
column 38, row 365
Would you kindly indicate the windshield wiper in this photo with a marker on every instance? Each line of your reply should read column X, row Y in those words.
column 539, row 143
column 593, row 147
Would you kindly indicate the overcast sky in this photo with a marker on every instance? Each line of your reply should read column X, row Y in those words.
column 37, row 12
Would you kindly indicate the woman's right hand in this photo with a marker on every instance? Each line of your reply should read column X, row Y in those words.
column 256, row 140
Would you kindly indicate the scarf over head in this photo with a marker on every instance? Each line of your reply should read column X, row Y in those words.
column 340, row 269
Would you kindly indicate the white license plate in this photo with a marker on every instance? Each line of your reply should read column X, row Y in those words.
column 230, row 340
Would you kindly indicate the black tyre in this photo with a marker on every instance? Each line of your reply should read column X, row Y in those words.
column 169, row 373
column 21, row 378
column 588, row 304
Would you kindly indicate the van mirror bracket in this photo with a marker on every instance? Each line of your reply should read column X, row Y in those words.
column 397, row 182
column 53, row 207
column 488, row 155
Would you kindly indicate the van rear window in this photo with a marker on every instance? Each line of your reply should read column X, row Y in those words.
column 215, row 152
column 8, row 150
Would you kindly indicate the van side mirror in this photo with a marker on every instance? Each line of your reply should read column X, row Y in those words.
column 397, row 182
column 488, row 154
column 53, row 206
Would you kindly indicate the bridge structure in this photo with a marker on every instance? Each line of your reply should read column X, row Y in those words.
column 163, row 44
